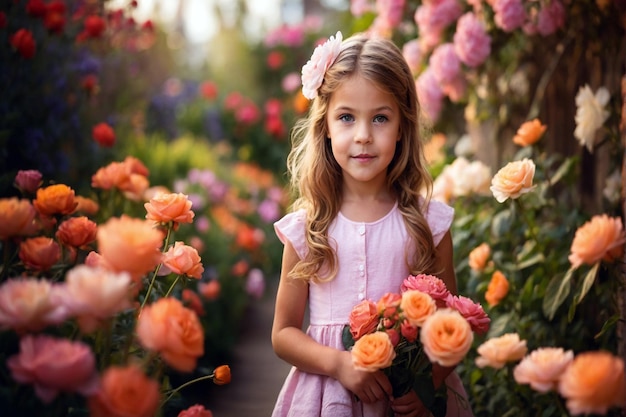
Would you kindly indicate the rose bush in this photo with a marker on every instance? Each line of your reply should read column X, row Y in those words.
column 542, row 246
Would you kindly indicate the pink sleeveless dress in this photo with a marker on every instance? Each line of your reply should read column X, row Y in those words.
column 371, row 263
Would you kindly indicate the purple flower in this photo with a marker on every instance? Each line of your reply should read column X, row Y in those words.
column 510, row 14
column 255, row 283
column 28, row 181
column 471, row 41
column 269, row 211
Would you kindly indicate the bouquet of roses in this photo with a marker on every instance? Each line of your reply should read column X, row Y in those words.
column 405, row 333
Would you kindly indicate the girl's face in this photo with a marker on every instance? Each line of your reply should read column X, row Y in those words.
column 364, row 127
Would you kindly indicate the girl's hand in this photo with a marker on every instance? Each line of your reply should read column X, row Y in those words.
column 369, row 387
column 409, row 405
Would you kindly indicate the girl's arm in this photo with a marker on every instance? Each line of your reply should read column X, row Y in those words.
column 294, row 346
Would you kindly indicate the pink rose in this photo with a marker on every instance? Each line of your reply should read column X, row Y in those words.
column 53, row 365
column 314, row 70
column 471, row 41
column 445, row 63
column 30, row 304
column 509, row 14
column 472, row 311
column 430, row 94
column 196, row 411
column 543, row 368
column 94, row 295
column 497, row 351
column 429, row 284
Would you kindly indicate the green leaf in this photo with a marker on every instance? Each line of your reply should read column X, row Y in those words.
column 611, row 322
column 499, row 325
column 538, row 258
column 346, row 338
column 565, row 167
column 587, row 283
column 557, row 291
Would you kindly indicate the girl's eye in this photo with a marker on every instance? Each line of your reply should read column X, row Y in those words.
column 380, row 119
column 346, row 118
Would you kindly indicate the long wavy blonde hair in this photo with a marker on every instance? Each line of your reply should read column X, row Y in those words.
column 316, row 177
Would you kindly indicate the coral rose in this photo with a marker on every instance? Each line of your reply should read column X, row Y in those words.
column 221, row 375
column 210, row 290
column 192, row 300
column 55, row 199
column 529, row 133
column 53, row 366
column 496, row 352
column 430, row 284
column 39, row 253
column 543, row 368
column 363, row 319
column 16, row 218
column 125, row 391
column 601, row 238
column 417, row 306
column 373, row 351
column 183, row 260
column 479, row 256
column 129, row 244
column 497, row 289
column 174, row 331
column 173, row 207
column 593, row 383
column 513, row 180
column 86, row 205
column 195, row 411
column 388, row 305
column 95, row 294
column 446, row 337
column 30, row 304
column 77, row 232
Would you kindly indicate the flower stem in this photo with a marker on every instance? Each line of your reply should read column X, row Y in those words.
column 529, row 222
column 186, row 384
column 156, row 271
column 172, row 286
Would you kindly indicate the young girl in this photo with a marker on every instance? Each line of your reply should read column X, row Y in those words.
column 362, row 222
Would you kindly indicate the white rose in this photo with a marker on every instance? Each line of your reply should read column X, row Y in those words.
column 590, row 114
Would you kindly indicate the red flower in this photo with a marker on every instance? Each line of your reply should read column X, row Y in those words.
column 94, row 26
column 104, row 135
column 23, row 42
column 36, row 8
column 208, row 90
column 89, row 83
column 54, row 19
column 3, row 20
column 275, row 60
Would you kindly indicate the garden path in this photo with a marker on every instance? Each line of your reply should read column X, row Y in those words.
column 257, row 373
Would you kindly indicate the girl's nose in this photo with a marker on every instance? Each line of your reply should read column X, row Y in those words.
column 363, row 133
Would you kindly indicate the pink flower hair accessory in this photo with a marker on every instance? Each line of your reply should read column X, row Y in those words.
column 314, row 70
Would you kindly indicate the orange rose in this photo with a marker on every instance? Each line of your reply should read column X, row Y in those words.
column 183, row 260
column 543, row 368
column 55, row 199
column 601, row 238
column 16, row 218
column 125, row 176
column 174, row 331
column 496, row 352
column 446, row 336
column 110, row 176
column 363, row 319
column 417, row 306
column 529, row 133
column 373, row 351
column 129, row 244
column 173, row 207
column 513, row 180
column 86, row 205
column 221, row 375
column 125, row 391
column 593, row 383
column 135, row 187
column 478, row 257
column 77, row 232
column 39, row 253
column 497, row 289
